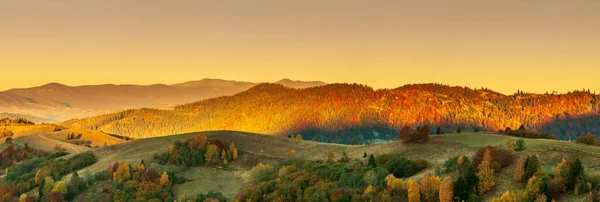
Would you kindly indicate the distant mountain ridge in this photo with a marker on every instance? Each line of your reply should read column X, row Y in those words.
column 341, row 112
column 55, row 101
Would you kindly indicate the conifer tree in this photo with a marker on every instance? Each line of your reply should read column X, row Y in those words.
column 372, row 163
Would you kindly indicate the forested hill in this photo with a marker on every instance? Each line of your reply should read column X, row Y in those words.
column 340, row 112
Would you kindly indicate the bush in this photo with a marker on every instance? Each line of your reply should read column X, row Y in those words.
column 520, row 145
column 588, row 139
column 261, row 172
column 402, row 167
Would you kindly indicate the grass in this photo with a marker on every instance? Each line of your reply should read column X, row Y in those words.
column 256, row 148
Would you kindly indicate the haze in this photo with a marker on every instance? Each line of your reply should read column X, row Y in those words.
column 531, row 45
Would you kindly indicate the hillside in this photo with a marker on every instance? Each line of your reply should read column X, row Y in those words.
column 60, row 102
column 46, row 138
column 252, row 150
column 347, row 113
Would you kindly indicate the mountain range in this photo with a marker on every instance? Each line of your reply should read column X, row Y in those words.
column 345, row 113
column 58, row 102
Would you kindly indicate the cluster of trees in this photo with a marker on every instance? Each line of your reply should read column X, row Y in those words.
column 140, row 182
column 523, row 132
column 15, row 154
column 274, row 109
column 372, row 179
column 72, row 136
column 198, row 151
column 421, row 134
column 15, row 122
column 567, row 177
column 588, row 139
column 478, row 176
column 43, row 172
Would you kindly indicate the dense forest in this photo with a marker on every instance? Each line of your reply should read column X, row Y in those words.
column 348, row 113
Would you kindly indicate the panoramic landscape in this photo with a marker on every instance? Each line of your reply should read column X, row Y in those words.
column 289, row 101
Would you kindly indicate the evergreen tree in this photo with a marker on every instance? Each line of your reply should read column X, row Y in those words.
column 532, row 165
column 372, row 163
column 577, row 175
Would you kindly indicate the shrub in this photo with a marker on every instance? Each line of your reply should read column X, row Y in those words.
column 588, row 139
column 520, row 145
column 402, row 167
column 261, row 172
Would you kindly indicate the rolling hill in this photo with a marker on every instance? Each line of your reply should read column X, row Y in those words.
column 346, row 113
column 60, row 102
column 252, row 150
column 46, row 138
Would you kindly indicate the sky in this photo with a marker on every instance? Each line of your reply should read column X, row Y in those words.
column 508, row 45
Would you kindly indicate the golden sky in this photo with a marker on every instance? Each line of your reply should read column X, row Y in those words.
column 505, row 45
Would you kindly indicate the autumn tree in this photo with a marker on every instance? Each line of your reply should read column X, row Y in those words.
column 224, row 157
column 122, row 173
column 41, row 174
column 164, row 179
column 48, row 184
column 414, row 194
column 519, row 172
column 212, row 153
column 447, row 190
column 234, row 151
column 486, row 174
column 61, row 188
column 430, row 187
column 461, row 160
column 506, row 197
column 198, row 142
column 330, row 158
column 299, row 137
column 541, row 198
column 23, row 197
column 510, row 146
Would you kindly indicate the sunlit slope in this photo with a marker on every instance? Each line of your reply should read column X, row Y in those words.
column 331, row 109
column 46, row 138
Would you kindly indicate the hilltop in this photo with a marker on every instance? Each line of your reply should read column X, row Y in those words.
column 347, row 113
column 55, row 101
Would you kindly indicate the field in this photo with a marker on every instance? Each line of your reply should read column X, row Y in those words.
column 256, row 148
